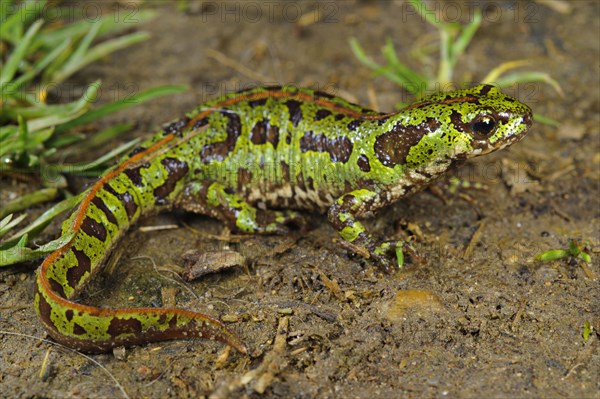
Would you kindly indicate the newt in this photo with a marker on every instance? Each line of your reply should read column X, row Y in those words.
column 254, row 159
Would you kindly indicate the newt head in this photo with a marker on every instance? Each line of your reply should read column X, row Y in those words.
column 498, row 122
column 463, row 124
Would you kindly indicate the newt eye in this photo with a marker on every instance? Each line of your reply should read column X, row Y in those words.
column 483, row 125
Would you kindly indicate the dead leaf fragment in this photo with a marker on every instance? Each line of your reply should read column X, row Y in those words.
column 197, row 263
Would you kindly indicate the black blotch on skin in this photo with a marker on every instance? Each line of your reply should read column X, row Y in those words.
column 135, row 175
column 176, row 127
column 219, row 151
column 485, row 90
column 244, row 178
column 56, row 287
column 200, row 122
column 322, row 114
column 69, row 314
column 129, row 203
column 263, row 132
column 257, row 103
column 84, row 265
column 456, row 119
column 176, row 170
column 78, row 330
column 363, row 163
column 339, row 117
column 99, row 203
column 233, row 129
column 92, row 228
column 119, row 326
column 295, row 111
column 285, row 171
column 45, row 310
column 258, row 134
column 392, row 148
column 352, row 126
column 347, row 200
column 339, row 149
column 126, row 199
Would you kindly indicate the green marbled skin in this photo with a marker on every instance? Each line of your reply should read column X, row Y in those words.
column 252, row 159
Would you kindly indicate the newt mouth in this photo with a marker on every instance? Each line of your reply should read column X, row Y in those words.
column 483, row 147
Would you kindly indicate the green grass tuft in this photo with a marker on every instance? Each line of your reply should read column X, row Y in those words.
column 35, row 135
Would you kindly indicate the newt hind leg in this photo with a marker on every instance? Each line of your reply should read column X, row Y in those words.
column 213, row 199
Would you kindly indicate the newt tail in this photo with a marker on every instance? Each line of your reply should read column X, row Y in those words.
column 110, row 206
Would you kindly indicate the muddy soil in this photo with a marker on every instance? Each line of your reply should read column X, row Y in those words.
column 478, row 317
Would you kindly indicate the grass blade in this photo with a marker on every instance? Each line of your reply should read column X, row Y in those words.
column 105, row 135
column 110, row 24
column 18, row 54
column 42, row 64
column 76, row 109
column 78, row 61
column 40, row 223
column 91, row 165
column 545, row 120
column 502, row 68
column 28, row 200
column 120, row 105
column 74, row 62
column 528, row 77
column 19, row 19
column 20, row 253
column 465, row 36
column 359, row 53
column 8, row 223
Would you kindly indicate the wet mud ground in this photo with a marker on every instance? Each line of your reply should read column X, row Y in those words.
column 478, row 317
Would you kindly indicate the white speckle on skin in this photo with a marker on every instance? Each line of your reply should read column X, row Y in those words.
column 283, row 196
column 309, row 197
column 255, row 195
column 396, row 191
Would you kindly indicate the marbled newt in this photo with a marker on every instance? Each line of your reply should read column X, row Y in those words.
column 253, row 159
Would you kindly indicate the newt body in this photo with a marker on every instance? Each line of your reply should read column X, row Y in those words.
column 252, row 159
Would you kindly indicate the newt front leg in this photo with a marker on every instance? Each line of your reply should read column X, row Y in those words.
column 343, row 216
